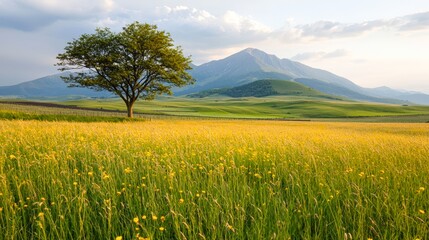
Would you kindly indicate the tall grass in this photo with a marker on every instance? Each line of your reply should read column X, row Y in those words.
column 213, row 180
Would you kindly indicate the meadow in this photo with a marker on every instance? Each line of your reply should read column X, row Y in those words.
column 275, row 107
column 207, row 179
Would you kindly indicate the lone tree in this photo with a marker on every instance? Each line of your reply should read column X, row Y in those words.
column 139, row 62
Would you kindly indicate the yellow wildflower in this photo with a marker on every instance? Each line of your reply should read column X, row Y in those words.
column 105, row 176
column 161, row 229
column 144, row 217
column 422, row 211
column 118, row 238
column 154, row 217
column 181, row 200
column 136, row 220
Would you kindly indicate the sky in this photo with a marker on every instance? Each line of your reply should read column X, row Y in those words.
column 370, row 42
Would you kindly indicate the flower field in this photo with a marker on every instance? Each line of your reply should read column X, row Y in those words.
column 207, row 179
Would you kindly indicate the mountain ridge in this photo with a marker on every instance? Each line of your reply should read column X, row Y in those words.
column 241, row 68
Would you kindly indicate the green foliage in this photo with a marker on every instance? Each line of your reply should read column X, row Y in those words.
column 139, row 62
column 10, row 115
column 264, row 88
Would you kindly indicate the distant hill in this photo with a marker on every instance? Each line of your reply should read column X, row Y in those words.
column 236, row 70
column 252, row 64
column 334, row 89
column 50, row 86
column 264, row 88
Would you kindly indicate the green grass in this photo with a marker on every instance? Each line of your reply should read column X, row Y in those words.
column 279, row 107
column 14, row 115
column 264, row 88
column 269, row 107
column 213, row 180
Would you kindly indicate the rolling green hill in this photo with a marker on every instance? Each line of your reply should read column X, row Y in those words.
column 273, row 107
column 264, row 88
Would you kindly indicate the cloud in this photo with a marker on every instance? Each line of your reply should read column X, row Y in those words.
column 30, row 15
column 320, row 55
column 197, row 27
column 328, row 30
column 413, row 22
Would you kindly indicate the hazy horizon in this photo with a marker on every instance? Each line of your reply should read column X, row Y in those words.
column 371, row 44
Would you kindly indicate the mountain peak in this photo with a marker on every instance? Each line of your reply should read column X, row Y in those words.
column 257, row 53
column 253, row 50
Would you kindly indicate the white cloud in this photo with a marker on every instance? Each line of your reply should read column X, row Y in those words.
column 200, row 29
column 184, row 14
column 328, row 30
column 320, row 55
column 30, row 15
column 243, row 24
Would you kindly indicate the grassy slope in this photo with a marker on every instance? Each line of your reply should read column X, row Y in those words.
column 268, row 107
column 264, row 88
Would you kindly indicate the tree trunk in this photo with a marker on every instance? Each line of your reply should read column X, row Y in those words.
column 130, row 109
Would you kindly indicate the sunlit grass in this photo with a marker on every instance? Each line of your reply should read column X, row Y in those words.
column 213, row 180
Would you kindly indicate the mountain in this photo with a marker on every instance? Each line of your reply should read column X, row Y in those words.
column 333, row 89
column 50, row 86
column 264, row 88
column 252, row 64
column 236, row 70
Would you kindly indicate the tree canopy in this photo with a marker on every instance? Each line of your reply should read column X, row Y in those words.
column 138, row 62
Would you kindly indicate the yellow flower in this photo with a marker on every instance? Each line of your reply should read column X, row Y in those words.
column 181, row 200
column 105, row 176
column 12, row 156
column 1, row 209
column 90, row 174
column 230, row 227
column 154, row 217
column 162, row 218
column 118, row 238
column 422, row 211
column 144, row 217
column 198, row 195
column 128, row 170
column 74, row 183
column 161, row 229
column 136, row 220
column 41, row 215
